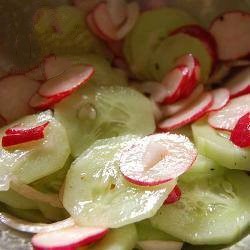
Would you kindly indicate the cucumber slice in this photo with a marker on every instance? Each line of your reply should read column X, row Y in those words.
column 146, row 231
column 123, row 238
column 117, row 111
column 164, row 57
column 95, row 186
column 202, row 167
column 219, row 148
column 211, row 211
column 150, row 29
column 15, row 200
column 34, row 160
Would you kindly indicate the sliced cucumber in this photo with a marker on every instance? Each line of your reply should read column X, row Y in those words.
column 15, row 200
column 213, row 210
column 95, row 187
column 202, row 167
column 146, row 231
column 98, row 113
column 123, row 238
column 34, row 160
column 150, row 29
column 164, row 57
column 219, row 148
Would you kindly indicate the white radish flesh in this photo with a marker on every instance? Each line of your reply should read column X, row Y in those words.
column 227, row 118
column 67, row 238
column 221, row 97
column 117, row 10
column 15, row 93
column 190, row 114
column 36, row 73
column 231, row 32
column 155, row 159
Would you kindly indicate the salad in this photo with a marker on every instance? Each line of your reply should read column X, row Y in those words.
column 132, row 132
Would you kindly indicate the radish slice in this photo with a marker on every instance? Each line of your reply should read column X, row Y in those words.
column 239, row 84
column 117, row 10
column 174, row 108
column 104, row 23
column 174, row 196
column 31, row 193
column 232, row 29
column 173, row 83
column 160, row 245
column 192, row 113
column 155, row 159
column 68, row 238
column 36, row 74
column 194, row 73
column 42, row 103
column 29, row 227
column 55, row 65
column 133, row 12
column 226, row 118
column 203, row 35
column 240, row 135
column 91, row 23
column 15, row 93
column 221, row 97
column 67, row 82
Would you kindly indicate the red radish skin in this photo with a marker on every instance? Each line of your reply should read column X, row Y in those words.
column 227, row 117
column 231, row 32
column 194, row 73
column 68, row 239
column 67, row 82
column 203, row 35
column 157, row 159
column 240, row 135
column 23, row 130
column 174, row 196
column 188, row 115
column 15, row 93
column 55, row 65
column 221, row 97
column 40, row 103
column 104, row 23
column 173, row 83
column 239, row 84
column 168, row 110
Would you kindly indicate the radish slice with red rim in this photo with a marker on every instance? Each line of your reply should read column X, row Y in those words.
column 132, row 15
column 221, row 97
column 174, row 196
column 240, row 83
column 232, row 28
column 227, row 117
column 67, row 82
column 176, row 107
column 240, row 135
column 117, row 10
column 155, row 159
column 104, row 23
column 29, row 227
column 38, row 102
column 172, row 84
column 36, row 73
column 55, row 65
column 15, row 93
column 203, row 35
column 68, row 238
column 190, row 114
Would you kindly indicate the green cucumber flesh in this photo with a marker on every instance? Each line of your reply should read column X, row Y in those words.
column 219, row 148
column 150, row 29
column 211, row 211
column 95, row 186
column 123, row 238
column 31, row 161
column 117, row 111
column 164, row 57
